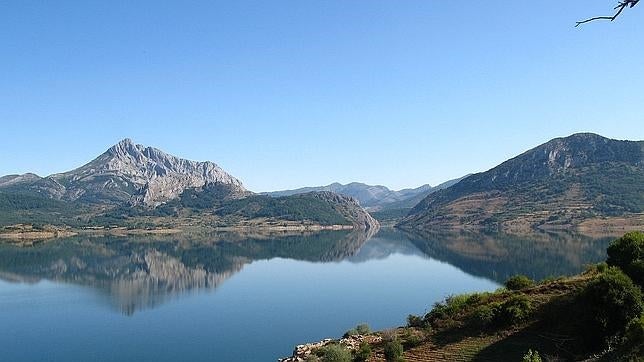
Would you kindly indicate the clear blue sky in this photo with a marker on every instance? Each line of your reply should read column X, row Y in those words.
column 285, row 94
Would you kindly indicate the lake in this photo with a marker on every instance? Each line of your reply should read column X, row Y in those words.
column 229, row 297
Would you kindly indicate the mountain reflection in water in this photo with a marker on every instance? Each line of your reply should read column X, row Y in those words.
column 144, row 271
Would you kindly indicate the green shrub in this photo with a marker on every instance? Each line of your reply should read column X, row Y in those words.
column 449, row 308
column 360, row 329
column 415, row 321
column 483, row 316
column 335, row 353
column 474, row 299
column 515, row 310
column 350, row 332
column 363, row 353
column 627, row 253
column 612, row 301
column 602, row 267
column 531, row 356
column 635, row 332
column 363, row 329
column 518, row 282
column 393, row 351
column 411, row 340
column 636, row 272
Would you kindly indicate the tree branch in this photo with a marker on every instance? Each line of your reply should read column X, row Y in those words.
column 620, row 7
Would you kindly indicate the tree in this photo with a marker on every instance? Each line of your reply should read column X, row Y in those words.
column 611, row 301
column 619, row 9
column 627, row 253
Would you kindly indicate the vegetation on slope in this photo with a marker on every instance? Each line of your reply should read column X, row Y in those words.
column 558, row 184
column 597, row 315
column 212, row 205
column 296, row 207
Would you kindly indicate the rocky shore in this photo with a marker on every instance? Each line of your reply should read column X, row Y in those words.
column 303, row 351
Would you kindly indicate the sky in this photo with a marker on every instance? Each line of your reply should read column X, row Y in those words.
column 285, row 94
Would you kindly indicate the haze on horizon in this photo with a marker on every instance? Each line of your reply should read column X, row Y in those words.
column 290, row 94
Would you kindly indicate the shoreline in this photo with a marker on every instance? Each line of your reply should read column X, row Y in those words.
column 28, row 234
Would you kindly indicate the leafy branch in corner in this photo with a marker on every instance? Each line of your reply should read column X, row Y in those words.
column 619, row 9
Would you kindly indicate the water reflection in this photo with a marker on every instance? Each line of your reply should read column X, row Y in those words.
column 499, row 256
column 142, row 272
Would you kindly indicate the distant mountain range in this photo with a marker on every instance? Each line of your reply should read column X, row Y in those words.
column 583, row 180
column 373, row 198
column 131, row 183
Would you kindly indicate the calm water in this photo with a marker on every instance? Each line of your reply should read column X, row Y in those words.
column 236, row 298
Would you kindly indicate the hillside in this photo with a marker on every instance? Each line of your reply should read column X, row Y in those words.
column 135, row 186
column 594, row 316
column 583, row 180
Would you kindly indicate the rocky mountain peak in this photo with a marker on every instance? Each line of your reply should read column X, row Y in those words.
column 124, row 147
column 133, row 173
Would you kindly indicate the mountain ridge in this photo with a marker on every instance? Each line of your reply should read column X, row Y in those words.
column 137, row 174
column 372, row 197
column 562, row 182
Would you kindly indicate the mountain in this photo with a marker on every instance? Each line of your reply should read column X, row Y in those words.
column 320, row 208
column 581, row 180
column 372, row 197
column 131, row 173
column 132, row 185
column 368, row 195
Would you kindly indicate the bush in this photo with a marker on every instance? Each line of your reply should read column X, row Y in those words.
column 516, row 309
column 627, row 253
column 350, row 332
column 363, row 353
column 393, row 351
column 518, row 282
column 483, row 316
column 360, row 329
column 601, row 267
column 531, row 356
column 635, row 332
column 389, row 335
column 612, row 301
column 363, row 329
column 335, row 353
column 415, row 321
column 449, row 308
column 411, row 340
column 636, row 272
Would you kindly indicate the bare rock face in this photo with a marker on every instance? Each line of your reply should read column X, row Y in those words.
column 133, row 173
